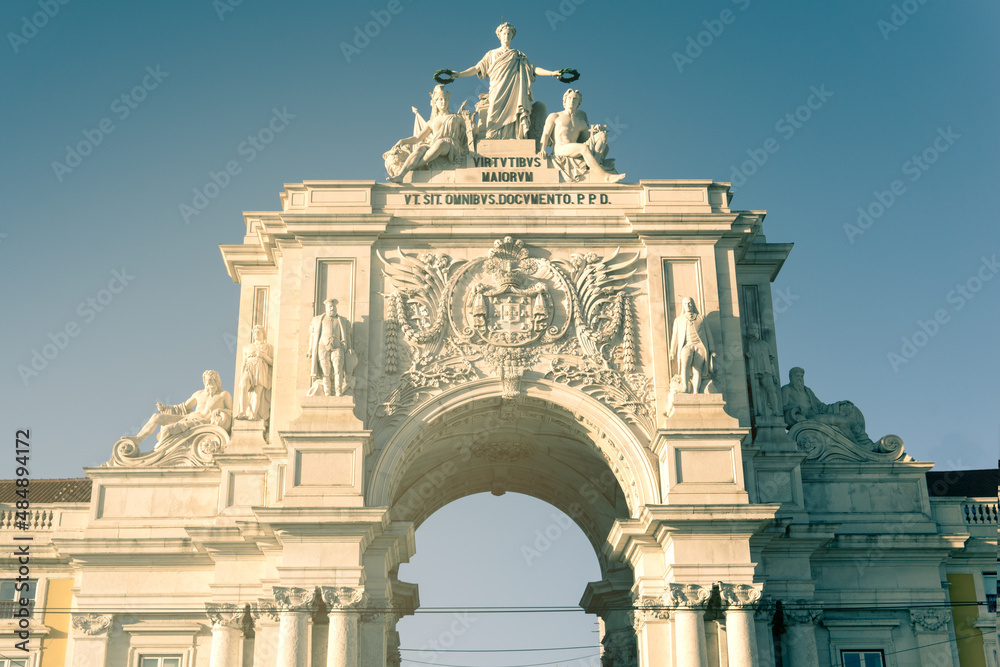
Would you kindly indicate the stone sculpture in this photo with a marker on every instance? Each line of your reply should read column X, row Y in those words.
column 800, row 404
column 691, row 347
column 255, row 380
column 511, row 74
column 330, row 342
column 760, row 370
column 444, row 135
column 211, row 405
column 577, row 146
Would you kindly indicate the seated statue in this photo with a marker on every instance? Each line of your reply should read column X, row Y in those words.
column 444, row 135
column 577, row 146
column 800, row 404
column 211, row 405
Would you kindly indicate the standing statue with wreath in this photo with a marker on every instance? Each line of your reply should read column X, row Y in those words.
column 509, row 114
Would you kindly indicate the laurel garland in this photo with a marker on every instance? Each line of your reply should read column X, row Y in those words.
column 628, row 338
column 391, row 339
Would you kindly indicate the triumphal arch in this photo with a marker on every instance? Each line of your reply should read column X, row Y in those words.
column 506, row 314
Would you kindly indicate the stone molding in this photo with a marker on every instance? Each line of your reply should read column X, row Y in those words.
column 343, row 598
column 803, row 615
column 930, row 620
column 291, row 598
column 739, row 596
column 687, row 596
column 225, row 614
column 93, row 625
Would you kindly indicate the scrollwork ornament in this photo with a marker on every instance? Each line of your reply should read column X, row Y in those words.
column 739, row 596
column 343, row 598
column 930, row 619
column 225, row 614
column 802, row 612
column 291, row 598
column 93, row 625
column 266, row 610
column 687, row 596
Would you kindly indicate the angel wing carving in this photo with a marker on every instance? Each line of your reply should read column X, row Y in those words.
column 599, row 290
column 418, row 305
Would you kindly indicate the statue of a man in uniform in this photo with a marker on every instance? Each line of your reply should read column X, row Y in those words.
column 691, row 347
column 329, row 344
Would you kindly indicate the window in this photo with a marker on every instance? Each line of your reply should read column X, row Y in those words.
column 11, row 593
column 870, row 658
column 6, row 662
column 158, row 661
column 990, row 584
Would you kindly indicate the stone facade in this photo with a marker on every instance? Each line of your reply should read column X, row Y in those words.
column 503, row 326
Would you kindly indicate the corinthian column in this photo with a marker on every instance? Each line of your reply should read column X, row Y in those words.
column 688, row 603
column 227, row 636
column 265, row 643
column 342, row 605
column 763, row 616
column 800, row 636
column 648, row 638
column 294, row 604
column 738, row 600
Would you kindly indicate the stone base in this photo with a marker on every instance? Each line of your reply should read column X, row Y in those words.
column 693, row 411
column 327, row 413
column 248, row 437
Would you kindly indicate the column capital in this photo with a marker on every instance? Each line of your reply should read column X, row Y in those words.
column 763, row 609
column 800, row 613
column 739, row 596
column 930, row 619
column 687, row 596
column 93, row 625
column 393, row 657
column 291, row 598
column 225, row 614
column 266, row 610
column 647, row 608
column 343, row 598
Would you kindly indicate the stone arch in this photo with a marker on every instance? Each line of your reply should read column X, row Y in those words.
column 556, row 444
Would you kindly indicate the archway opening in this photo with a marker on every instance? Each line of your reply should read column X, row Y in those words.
column 499, row 575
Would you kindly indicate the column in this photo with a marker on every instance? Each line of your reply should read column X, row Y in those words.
column 800, row 633
column 227, row 634
column 763, row 618
column 688, row 602
column 738, row 601
column 265, row 643
column 90, row 639
column 651, row 641
column 931, row 628
column 342, row 605
column 294, row 604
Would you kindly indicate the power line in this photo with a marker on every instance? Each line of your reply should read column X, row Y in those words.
column 496, row 650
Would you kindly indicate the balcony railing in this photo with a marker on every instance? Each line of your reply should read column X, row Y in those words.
column 37, row 520
column 991, row 603
column 980, row 513
column 8, row 609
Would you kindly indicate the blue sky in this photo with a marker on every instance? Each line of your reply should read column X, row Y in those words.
column 902, row 124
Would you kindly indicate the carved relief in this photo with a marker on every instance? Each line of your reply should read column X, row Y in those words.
column 503, row 452
column 739, row 596
column 340, row 598
column 687, row 596
column 293, row 599
column 800, row 613
column 225, row 614
column 499, row 315
column 93, row 625
column 930, row 619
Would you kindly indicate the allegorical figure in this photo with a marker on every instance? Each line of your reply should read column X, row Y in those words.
column 211, row 405
column 510, row 99
column 801, row 404
column 760, row 370
column 329, row 344
column 255, row 379
column 572, row 136
column 444, row 135
column 691, row 347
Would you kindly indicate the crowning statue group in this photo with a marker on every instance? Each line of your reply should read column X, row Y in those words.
column 509, row 111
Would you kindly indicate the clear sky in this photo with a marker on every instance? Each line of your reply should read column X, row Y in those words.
column 813, row 110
